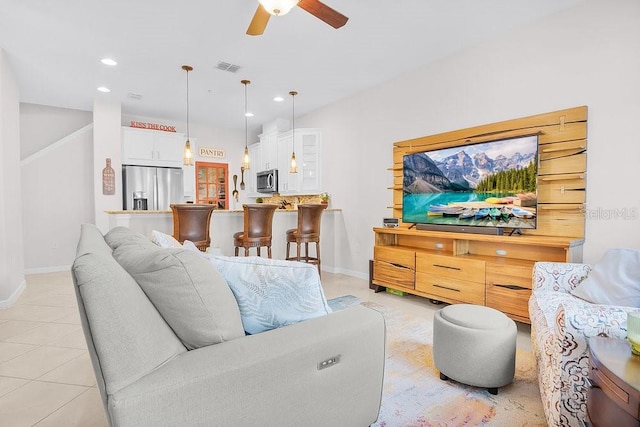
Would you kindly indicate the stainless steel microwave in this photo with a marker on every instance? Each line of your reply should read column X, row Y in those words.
column 267, row 181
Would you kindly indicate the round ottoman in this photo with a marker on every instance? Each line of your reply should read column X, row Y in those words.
column 474, row 345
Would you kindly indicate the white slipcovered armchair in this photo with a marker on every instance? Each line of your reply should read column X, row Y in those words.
column 561, row 325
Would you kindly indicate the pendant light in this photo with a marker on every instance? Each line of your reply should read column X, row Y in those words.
column 246, row 161
column 188, row 154
column 293, row 167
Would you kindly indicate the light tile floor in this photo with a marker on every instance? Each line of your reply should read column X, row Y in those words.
column 46, row 378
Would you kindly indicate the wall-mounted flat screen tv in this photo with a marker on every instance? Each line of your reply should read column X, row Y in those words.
column 488, row 184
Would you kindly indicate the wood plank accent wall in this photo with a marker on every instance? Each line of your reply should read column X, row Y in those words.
column 561, row 173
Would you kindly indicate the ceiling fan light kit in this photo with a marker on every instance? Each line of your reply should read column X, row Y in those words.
column 278, row 7
column 266, row 8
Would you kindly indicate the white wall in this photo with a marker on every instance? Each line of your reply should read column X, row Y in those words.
column 106, row 144
column 11, row 241
column 587, row 55
column 58, row 198
column 41, row 125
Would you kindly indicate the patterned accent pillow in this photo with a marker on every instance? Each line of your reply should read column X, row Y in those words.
column 273, row 293
column 614, row 280
column 164, row 240
column 188, row 244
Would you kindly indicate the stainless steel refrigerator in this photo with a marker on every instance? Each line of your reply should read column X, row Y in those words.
column 158, row 186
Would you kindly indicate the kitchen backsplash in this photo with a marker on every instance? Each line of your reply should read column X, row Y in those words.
column 290, row 202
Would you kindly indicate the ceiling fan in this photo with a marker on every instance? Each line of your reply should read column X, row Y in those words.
column 266, row 8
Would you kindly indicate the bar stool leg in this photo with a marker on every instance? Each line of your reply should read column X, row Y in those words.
column 318, row 256
column 236, row 250
column 297, row 251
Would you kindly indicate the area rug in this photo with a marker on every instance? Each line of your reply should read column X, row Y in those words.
column 414, row 396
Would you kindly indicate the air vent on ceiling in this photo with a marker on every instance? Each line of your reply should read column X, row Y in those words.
column 135, row 96
column 225, row 66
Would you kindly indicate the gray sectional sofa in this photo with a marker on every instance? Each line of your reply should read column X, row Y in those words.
column 158, row 364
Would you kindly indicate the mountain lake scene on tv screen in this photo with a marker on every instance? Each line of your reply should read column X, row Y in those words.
column 490, row 184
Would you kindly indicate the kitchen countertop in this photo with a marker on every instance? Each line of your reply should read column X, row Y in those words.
column 215, row 211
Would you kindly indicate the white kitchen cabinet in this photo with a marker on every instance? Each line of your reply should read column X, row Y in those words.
column 307, row 144
column 268, row 151
column 285, row 146
column 307, row 149
column 255, row 154
column 152, row 148
column 274, row 152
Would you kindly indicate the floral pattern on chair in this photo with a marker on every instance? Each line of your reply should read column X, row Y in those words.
column 561, row 325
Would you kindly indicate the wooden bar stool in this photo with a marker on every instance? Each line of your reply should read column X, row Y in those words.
column 257, row 228
column 308, row 231
column 191, row 222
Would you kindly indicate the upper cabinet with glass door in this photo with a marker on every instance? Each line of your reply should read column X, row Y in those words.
column 212, row 184
column 306, row 144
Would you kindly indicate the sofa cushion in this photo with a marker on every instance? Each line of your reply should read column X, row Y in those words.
column 188, row 292
column 115, row 307
column 614, row 280
column 123, row 236
column 273, row 293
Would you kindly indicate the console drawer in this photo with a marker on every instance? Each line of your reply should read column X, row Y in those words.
column 458, row 268
column 450, row 289
column 510, row 275
column 394, row 255
column 510, row 299
column 386, row 273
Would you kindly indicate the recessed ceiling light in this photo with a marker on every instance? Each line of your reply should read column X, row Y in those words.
column 248, row 114
column 278, row 99
column 109, row 61
column 104, row 89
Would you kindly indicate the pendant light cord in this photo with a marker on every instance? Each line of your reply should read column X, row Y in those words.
column 187, row 104
column 246, row 132
column 245, row 116
column 293, row 94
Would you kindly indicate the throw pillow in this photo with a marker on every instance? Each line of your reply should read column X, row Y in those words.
column 191, row 295
column 273, row 293
column 164, row 240
column 614, row 280
column 189, row 245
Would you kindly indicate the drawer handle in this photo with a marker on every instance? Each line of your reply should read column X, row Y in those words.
column 511, row 287
column 445, row 287
column 399, row 265
column 446, row 266
column 591, row 383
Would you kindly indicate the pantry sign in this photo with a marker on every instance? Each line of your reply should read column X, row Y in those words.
column 217, row 153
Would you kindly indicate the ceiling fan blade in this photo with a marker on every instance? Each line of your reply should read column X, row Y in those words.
column 259, row 22
column 324, row 12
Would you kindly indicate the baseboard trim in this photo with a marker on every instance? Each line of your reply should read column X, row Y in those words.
column 14, row 296
column 346, row 272
column 42, row 270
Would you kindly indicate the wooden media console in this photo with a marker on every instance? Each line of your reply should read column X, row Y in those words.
column 492, row 270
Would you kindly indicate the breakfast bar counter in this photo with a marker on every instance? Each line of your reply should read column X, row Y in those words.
column 226, row 222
